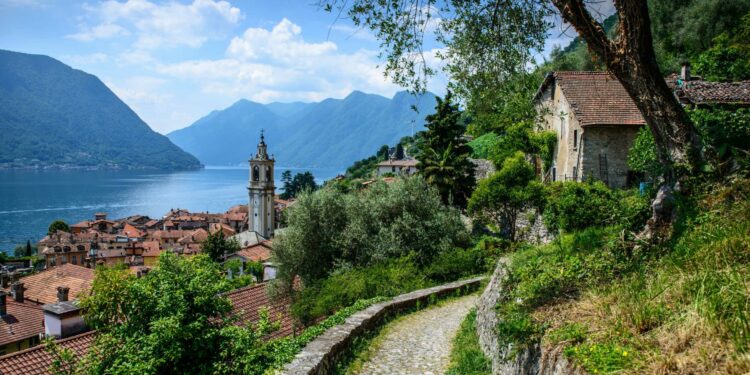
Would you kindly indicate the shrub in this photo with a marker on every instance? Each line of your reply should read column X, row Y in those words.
column 458, row 263
column 573, row 206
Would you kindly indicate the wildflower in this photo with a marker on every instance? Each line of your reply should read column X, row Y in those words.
column 624, row 353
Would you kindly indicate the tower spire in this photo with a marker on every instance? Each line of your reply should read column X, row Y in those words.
column 262, row 153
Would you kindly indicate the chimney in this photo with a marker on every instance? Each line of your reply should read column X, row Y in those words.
column 3, row 304
column 685, row 71
column 17, row 290
column 63, row 319
column 62, row 293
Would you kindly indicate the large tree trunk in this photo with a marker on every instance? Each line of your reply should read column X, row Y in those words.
column 632, row 60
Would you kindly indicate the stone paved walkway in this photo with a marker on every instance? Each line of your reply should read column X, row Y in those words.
column 419, row 343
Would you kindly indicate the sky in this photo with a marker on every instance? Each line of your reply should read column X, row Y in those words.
column 174, row 62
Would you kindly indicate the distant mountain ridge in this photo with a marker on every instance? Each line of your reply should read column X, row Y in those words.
column 330, row 133
column 54, row 116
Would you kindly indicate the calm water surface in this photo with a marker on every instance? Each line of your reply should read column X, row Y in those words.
column 31, row 200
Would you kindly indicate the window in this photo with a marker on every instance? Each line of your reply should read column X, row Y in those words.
column 575, row 138
column 554, row 174
column 393, row 169
column 256, row 173
column 269, row 174
column 75, row 261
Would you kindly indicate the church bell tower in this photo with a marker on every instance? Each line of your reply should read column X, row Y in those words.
column 261, row 212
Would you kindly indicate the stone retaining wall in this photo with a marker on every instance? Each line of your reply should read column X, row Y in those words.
column 321, row 355
column 533, row 360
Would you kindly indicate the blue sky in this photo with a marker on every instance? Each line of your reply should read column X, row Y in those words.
column 175, row 61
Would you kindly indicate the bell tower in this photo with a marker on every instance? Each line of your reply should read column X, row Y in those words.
column 260, row 211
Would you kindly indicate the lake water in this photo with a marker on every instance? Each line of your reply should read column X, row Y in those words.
column 31, row 200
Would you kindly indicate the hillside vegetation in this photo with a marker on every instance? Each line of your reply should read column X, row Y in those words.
column 55, row 116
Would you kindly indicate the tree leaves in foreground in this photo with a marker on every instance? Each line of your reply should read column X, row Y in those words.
column 171, row 321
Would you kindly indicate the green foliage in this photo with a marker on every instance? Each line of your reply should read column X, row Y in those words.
column 572, row 333
column 329, row 230
column 301, row 182
column 364, row 168
column 727, row 60
column 467, row 357
column 444, row 156
column 171, row 321
column 217, row 246
column 575, row 206
column 601, row 358
column 481, row 146
column 25, row 250
column 458, row 263
column 386, row 279
column 501, row 197
column 58, row 225
column 282, row 351
column 642, row 156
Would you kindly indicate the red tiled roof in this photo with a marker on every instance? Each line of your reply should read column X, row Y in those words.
column 36, row 360
column 257, row 253
column 131, row 231
column 704, row 92
column 151, row 248
column 247, row 302
column 597, row 98
column 42, row 287
column 23, row 320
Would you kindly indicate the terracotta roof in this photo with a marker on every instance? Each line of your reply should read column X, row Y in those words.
column 131, row 231
column 240, row 208
column 228, row 231
column 597, row 98
column 152, row 223
column 247, row 302
column 36, row 360
column 151, row 248
column 399, row 163
column 42, row 287
column 704, row 92
column 163, row 234
column 23, row 320
column 236, row 216
column 82, row 224
column 257, row 253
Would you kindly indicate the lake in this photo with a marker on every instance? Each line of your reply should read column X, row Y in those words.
column 30, row 200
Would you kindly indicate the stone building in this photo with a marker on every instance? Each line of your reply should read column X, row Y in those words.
column 596, row 123
column 406, row 167
column 261, row 214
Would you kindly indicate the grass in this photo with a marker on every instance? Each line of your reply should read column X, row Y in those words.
column 467, row 357
column 682, row 307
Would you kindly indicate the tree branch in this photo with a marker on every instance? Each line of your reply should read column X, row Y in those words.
column 575, row 13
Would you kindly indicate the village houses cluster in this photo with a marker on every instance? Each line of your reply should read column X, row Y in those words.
column 595, row 120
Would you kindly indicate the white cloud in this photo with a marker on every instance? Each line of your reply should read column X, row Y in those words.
column 157, row 25
column 140, row 90
column 278, row 64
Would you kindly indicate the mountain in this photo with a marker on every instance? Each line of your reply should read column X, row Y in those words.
column 54, row 116
column 330, row 133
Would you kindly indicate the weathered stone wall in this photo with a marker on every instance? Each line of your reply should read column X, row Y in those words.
column 321, row 355
column 534, row 360
column 612, row 141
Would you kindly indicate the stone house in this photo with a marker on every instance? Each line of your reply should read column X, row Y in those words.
column 596, row 123
column 406, row 167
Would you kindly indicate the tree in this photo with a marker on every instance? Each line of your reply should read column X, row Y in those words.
column 58, row 225
column 24, row 250
column 444, row 156
column 173, row 320
column 217, row 246
column 511, row 190
column 492, row 39
column 330, row 231
column 286, row 180
column 399, row 152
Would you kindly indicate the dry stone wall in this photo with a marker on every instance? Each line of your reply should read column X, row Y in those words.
column 321, row 355
column 533, row 360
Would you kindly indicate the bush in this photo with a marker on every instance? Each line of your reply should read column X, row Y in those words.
column 578, row 205
column 458, row 263
column 346, row 286
column 329, row 230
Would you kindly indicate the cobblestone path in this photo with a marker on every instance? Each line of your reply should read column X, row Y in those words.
column 419, row 343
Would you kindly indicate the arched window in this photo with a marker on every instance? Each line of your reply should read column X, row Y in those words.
column 269, row 174
column 81, row 248
column 66, row 248
column 256, row 173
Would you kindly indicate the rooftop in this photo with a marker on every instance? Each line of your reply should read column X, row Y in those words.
column 23, row 320
column 42, row 287
column 36, row 360
column 248, row 301
column 597, row 98
column 398, row 163
column 705, row 92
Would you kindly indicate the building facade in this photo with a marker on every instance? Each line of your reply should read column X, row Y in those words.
column 261, row 214
column 596, row 123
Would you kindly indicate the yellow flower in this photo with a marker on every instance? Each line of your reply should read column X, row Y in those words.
column 624, row 353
